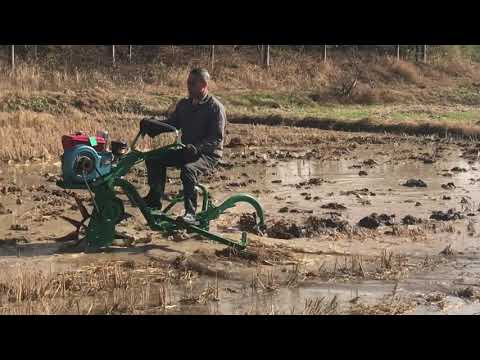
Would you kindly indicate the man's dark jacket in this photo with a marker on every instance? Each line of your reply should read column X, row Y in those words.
column 202, row 125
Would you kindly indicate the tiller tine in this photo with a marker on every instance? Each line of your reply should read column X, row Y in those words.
column 74, row 235
column 77, row 224
column 78, row 245
column 82, row 208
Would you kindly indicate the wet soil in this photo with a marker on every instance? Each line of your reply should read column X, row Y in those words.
column 344, row 234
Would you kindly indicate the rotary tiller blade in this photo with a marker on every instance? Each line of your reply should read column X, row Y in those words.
column 77, row 224
column 82, row 208
column 73, row 236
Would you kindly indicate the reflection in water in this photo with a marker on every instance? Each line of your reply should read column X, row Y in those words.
column 383, row 176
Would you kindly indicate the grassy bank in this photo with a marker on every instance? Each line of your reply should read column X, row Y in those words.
column 38, row 104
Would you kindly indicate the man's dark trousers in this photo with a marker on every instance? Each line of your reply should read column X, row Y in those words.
column 189, row 174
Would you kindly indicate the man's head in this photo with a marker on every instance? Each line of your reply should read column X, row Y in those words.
column 198, row 83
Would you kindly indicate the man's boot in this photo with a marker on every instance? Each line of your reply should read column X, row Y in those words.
column 153, row 200
column 191, row 209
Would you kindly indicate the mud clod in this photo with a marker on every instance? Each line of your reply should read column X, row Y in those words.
column 314, row 181
column 415, row 183
column 361, row 192
column 370, row 162
column 315, row 225
column 458, row 169
column 285, row 230
column 178, row 236
column 19, row 227
column 334, row 206
column 237, row 184
column 248, row 222
column 450, row 215
column 362, row 173
column 235, row 142
column 447, row 251
column 448, row 186
column 411, row 220
column 467, row 292
column 300, row 211
column 374, row 221
column 3, row 210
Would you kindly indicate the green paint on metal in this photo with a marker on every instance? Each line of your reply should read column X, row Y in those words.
column 109, row 209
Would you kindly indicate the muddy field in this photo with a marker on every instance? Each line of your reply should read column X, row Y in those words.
column 357, row 223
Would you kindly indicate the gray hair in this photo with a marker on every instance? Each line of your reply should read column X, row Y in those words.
column 201, row 73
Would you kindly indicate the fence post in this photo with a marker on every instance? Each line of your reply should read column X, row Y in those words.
column 113, row 54
column 266, row 56
column 130, row 53
column 324, row 53
column 398, row 52
column 13, row 58
column 212, row 56
column 425, row 54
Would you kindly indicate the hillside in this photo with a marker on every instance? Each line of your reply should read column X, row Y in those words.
column 363, row 91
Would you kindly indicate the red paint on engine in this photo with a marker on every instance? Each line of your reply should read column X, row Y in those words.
column 69, row 141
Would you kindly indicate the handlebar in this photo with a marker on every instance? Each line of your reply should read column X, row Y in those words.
column 140, row 134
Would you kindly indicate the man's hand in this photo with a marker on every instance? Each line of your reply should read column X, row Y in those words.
column 190, row 153
column 144, row 126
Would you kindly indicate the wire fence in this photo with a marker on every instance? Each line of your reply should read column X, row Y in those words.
column 112, row 55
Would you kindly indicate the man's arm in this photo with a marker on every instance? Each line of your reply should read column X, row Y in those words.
column 215, row 133
column 153, row 126
column 172, row 120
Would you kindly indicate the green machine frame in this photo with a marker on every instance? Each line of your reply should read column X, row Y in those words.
column 109, row 209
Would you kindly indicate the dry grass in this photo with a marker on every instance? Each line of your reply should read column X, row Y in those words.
column 233, row 70
column 368, row 125
column 111, row 288
column 386, row 266
column 321, row 306
column 406, row 71
column 27, row 135
column 389, row 305
column 40, row 103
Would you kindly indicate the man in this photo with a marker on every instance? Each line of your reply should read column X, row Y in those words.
column 201, row 117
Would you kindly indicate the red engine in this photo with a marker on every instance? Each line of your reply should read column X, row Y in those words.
column 97, row 142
